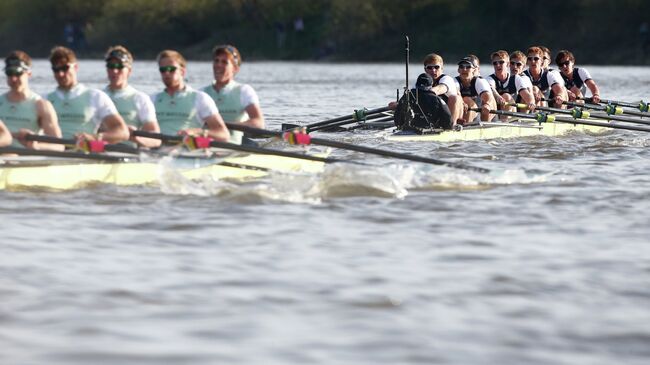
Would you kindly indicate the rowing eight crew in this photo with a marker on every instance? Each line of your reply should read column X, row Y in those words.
column 74, row 110
column 538, row 85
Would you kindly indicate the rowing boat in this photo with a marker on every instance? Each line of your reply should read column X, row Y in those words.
column 490, row 130
column 64, row 174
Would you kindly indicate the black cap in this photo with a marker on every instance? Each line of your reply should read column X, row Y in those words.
column 424, row 81
column 467, row 60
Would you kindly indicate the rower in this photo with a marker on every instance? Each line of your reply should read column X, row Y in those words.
column 506, row 87
column 134, row 106
column 237, row 103
column 429, row 110
column 547, row 85
column 179, row 107
column 474, row 90
column 576, row 79
column 24, row 111
column 547, row 58
column 5, row 135
column 444, row 86
column 83, row 112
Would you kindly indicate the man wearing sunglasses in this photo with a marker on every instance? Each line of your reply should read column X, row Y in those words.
column 182, row 109
column 547, row 84
column 444, row 86
column 135, row 107
column 576, row 79
column 83, row 112
column 237, row 103
column 23, row 111
column 506, row 87
column 474, row 90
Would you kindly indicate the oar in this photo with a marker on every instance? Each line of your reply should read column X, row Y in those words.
column 549, row 118
column 358, row 115
column 352, row 147
column 73, row 143
column 641, row 105
column 339, row 124
column 578, row 113
column 610, row 109
column 88, row 156
column 242, row 148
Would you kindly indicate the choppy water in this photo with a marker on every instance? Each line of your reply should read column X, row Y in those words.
column 545, row 260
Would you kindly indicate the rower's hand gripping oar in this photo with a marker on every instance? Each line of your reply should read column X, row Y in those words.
column 300, row 137
column 84, row 145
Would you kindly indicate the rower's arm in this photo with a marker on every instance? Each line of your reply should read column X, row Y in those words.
column 528, row 98
column 440, row 89
column 255, row 116
column 49, row 122
column 216, row 127
column 150, row 126
column 595, row 92
column 114, row 129
column 5, row 135
column 560, row 95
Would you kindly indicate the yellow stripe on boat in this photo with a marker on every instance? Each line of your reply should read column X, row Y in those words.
column 75, row 175
column 499, row 130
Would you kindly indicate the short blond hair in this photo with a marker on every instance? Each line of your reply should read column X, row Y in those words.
column 174, row 55
column 60, row 53
column 500, row 54
column 433, row 58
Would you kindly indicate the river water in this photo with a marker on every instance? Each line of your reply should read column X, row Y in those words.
column 545, row 260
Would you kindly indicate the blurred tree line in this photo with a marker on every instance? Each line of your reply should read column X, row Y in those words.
column 597, row 31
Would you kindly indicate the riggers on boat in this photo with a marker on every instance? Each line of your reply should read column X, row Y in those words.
column 63, row 174
column 494, row 130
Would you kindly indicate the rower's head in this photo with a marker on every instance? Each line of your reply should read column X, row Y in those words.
column 65, row 67
column 466, row 67
column 547, row 56
column 226, row 61
column 119, row 63
column 424, row 82
column 517, row 62
column 433, row 65
column 171, row 65
column 565, row 61
column 535, row 59
column 500, row 61
column 18, row 69
column 477, row 64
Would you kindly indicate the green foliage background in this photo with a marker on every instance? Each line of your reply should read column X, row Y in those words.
column 598, row 31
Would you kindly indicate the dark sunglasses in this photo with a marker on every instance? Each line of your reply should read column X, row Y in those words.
column 563, row 64
column 533, row 58
column 115, row 66
column 499, row 62
column 64, row 68
column 465, row 67
column 515, row 63
column 14, row 73
column 432, row 67
column 164, row 69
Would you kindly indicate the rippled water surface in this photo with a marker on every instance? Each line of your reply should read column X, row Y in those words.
column 544, row 260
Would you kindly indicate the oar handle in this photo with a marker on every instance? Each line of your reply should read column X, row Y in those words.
column 73, row 143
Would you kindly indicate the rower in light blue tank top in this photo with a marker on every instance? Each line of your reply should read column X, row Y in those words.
column 19, row 115
column 75, row 110
column 176, row 112
column 124, row 100
column 228, row 100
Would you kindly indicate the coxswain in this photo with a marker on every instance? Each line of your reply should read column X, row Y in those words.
column 237, row 102
column 182, row 109
column 23, row 111
column 576, row 79
column 83, row 112
column 444, row 85
column 547, row 85
column 474, row 90
column 134, row 106
column 425, row 110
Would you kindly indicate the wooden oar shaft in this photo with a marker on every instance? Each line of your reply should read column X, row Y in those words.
column 241, row 148
column 79, row 155
column 353, row 147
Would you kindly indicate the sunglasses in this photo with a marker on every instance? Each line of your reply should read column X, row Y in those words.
column 115, row 66
column 465, row 67
column 164, row 69
column 64, row 68
column 432, row 67
column 14, row 73
column 533, row 58
column 515, row 63
column 564, row 64
column 499, row 62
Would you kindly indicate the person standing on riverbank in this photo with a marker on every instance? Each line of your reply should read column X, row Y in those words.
column 135, row 107
column 237, row 103
column 180, row 108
